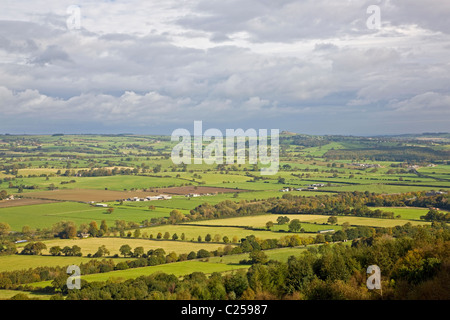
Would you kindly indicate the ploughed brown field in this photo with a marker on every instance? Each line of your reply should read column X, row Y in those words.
column 86, row 195
column 22, row 202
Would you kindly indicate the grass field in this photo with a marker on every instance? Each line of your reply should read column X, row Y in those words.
column 45, row 215
column 113, row 244
column 321, row 220
column 406, row 212
column 177, row 268
column 24, row 262
column 117, row 183
column 281, row 254
column 8, row 294
column 192, row 232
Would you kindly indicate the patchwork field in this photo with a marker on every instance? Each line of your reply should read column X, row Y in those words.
column 49, row 188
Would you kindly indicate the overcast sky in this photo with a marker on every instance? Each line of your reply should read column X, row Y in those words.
column 312, row 66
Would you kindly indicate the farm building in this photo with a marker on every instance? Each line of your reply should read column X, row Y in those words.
column 104, row 205
column 326, row 231
column 150, row 198
column 193, row 195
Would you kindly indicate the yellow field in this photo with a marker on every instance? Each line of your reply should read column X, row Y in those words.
column 37, row 171
column 192, row 232
column 260, row 221
column 90, row 245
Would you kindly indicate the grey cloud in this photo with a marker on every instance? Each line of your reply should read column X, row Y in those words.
column 300, row 63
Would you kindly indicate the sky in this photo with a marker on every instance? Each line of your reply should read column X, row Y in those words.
column 149, row 67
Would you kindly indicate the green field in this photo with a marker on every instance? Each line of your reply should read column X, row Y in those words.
column 314, row 223
column 24, row 262
column 177, row 268
column 193, row 232
column 8, row 294
column 113, row 244
column 45, row 215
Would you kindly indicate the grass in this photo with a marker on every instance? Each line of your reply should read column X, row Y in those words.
column 177, row 268
column 113, row 244
column 193, row 231
column 8, row 294
column 45, row 215
column 25, row 262
column 281, row 254
column 118, row 183
column 321, row 220
column 408, row 213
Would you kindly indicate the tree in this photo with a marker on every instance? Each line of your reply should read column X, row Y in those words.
column 138, row 252
column 283, row 220
column 65, row 229
column 104, row 227
column 159, row 235
column 137, row 233
column 125, row 250
column 34, row 248
column 93, row 228
column 295, row 225
column 3, row 194
column 269, row 225
column 199, row 239
column 174, row 236
column 110, row 210
column 166, row 235
column 191, row 255
column 202, row 253
column 258, row 256
column 340, row 235
column 102, row 251
column 4, row 228
column 171, row 257
column 208, row 238
column 320, row 238
column 332, row 220
column 27, row 231
column 176, row 216
column 55, row 251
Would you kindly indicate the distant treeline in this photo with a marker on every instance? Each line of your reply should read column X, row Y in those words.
column 305, row 141
column 383, row 153
column 348, row 203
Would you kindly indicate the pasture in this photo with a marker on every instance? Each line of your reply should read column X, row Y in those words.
column 113, row 244
column 178, row 269
column 25, row 262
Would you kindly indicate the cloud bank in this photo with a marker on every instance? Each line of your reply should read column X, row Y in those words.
column 154, row 66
